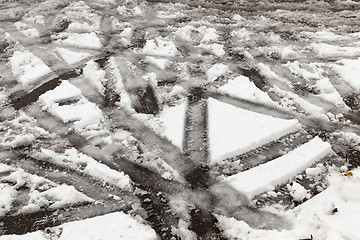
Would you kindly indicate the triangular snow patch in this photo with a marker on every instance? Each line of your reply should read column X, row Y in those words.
column 233, row 131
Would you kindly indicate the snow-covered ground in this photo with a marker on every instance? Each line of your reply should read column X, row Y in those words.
column 132, row 119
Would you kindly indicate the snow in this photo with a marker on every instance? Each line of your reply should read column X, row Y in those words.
column 241, row 87
column 160, row 63
column 349, row 138
column 209, row 34
column 82, row 114
column 177, row 90
column 215, row 48
column 216, row 71
column 7, row 196
column 5, row 168
column 268, row 175
column 325, row 50
column 95, row 75
column 27, row 30
column 71, row 57
column 315, row 217
column 313, row 72
column 170, row 123
column 27, row 67
column 62, row 195
column 64, row 92
column 87, row 117
column 297, row 191
column 81, row 40
column 325, row 35
column 288, row 52
column 117, row 77
column 233, row 131
column 82, row 18
column 242, row 34
column 185, row 32
column 349, row 71
column 114, row 225
column 17, row 141
column 329, row 93
column 182, row 231
column 160, row 47
column 151, row 78
column 38, row 235
column 173, row 119
column 313, row 171
column 290, row 99
column 42, row 192
column 268, row 73
column 117, row 225
column 76, row 160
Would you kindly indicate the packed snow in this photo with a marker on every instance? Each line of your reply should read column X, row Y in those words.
column 27, row 67
column 233, row 131
column 269, row 175
column 85, row 115
column 82, row 40
column 348, row 70
column 117, row 225
column 241, row 87
column 71, row 57
column 169, row 123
